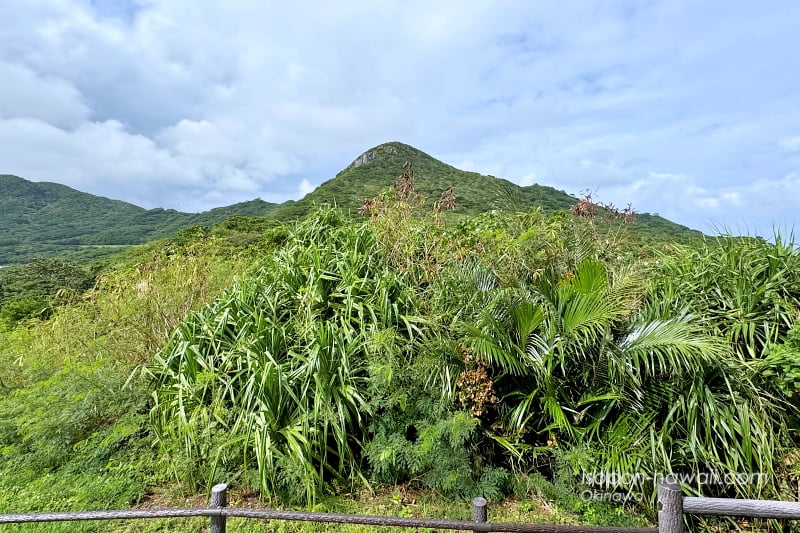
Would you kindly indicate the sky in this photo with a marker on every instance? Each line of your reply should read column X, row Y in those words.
column 685, row 108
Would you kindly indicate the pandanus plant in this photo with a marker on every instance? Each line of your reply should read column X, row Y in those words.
column 271, row 381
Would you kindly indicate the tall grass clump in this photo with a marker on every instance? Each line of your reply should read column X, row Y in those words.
column 746, row 291
column 269, row 384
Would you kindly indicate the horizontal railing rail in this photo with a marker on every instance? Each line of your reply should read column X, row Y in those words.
column 673, row 506
column 741, row 507
column 672, row 509
column 219, row 512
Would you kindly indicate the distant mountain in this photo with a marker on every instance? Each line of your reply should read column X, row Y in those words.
column 46, row 219
column 377, row 168
column 40, row 219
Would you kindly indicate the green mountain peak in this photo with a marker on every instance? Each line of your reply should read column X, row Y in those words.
column 377, row 168
column 39, row 219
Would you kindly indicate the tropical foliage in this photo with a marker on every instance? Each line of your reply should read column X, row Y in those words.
column 511, row 352
column 270, row 382
column 525, row 338
column 583, row 364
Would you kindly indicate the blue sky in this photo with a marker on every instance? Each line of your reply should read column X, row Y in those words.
column 684, row 108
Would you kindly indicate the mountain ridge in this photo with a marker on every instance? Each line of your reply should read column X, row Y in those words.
column 40, row 219
column 377, row 168
column 45, row 219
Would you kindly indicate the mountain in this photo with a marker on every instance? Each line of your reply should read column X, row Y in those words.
column 46, row 219
column 378, row 168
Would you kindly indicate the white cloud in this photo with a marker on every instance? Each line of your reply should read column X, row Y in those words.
column 751, row 208
column 114, row 162
column 305, row 187
column 25, row 94
column 194, row 104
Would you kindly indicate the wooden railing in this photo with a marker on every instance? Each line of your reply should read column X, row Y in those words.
column 673, row 505
column 672, row 508
column 218, row 512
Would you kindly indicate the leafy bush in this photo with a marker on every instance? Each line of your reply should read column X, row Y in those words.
column 270, row 382
column 573, row 360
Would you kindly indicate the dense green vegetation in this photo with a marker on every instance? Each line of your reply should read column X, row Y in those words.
column 377, row 168
column 46, row 219
column 518, row 354
column 32, row 289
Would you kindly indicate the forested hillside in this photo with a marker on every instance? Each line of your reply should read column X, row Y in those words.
column 523, row 355
column 43, row 219
column 47, row 219
column 377, row 168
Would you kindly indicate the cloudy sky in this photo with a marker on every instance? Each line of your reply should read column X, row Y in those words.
column 687, row 108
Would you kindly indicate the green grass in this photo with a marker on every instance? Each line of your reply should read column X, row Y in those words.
column 391, row 502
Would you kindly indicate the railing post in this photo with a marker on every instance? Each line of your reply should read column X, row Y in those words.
column 479, row 513
column 219, row 498
column 670, row 506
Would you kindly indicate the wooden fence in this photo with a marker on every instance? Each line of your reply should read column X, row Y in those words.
column 672, row 506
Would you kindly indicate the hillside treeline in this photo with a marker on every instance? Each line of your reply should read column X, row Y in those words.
column 490, row 355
